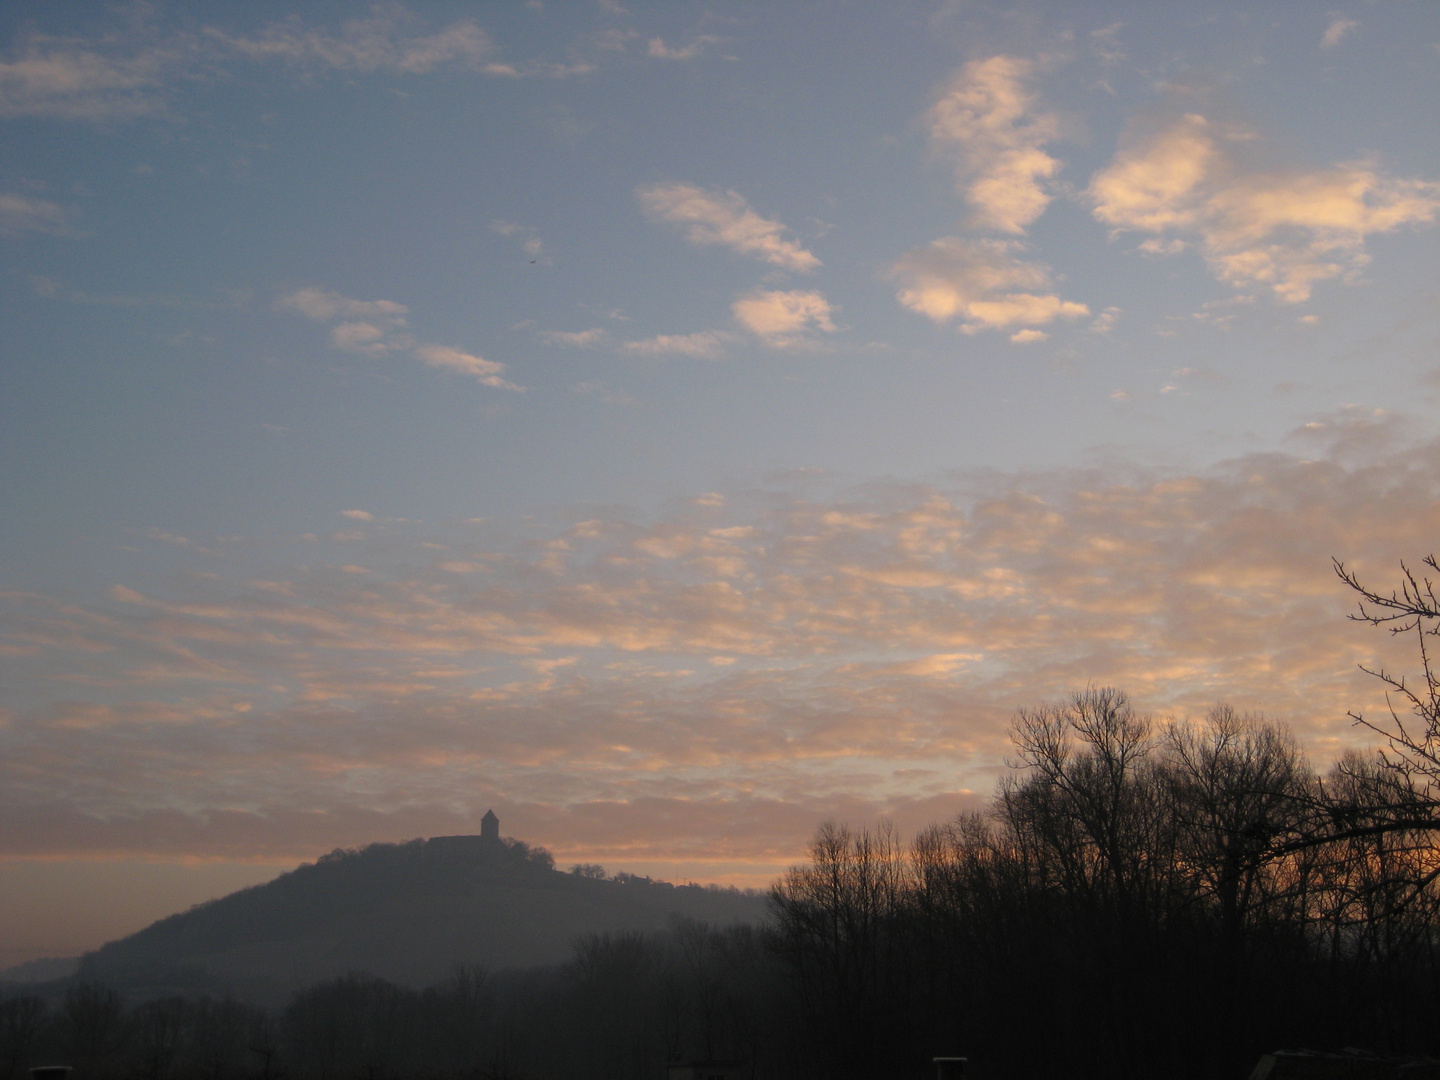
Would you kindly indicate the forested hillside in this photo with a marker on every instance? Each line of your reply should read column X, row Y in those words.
column 409, row 913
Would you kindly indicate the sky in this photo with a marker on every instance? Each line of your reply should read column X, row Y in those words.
column 675, row 425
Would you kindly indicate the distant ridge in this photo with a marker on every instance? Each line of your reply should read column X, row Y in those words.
column 406, row 912
column 47, row 969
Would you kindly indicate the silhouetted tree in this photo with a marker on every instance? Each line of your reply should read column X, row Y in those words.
column 841, row 929
column 21, row 1021
column 92, row 1017
column 461, row 1011
column 1411, row 758
column 355, row 1025
column 161, row 1030
column 1239, row 787
column 222, row 1034
column 1141, row 899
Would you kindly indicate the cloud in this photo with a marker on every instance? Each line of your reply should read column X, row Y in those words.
column 752, row 662
column 371, row 327
column 380, row 42
column 983, row 283
column 1105, row 321
column 378, row 327
column 702, row 345
column 782, row 319
column 582, row 339
column 322, row 306
column 659, row 50
column 724, row 219
column 20, row 213
column 1339, row 28
column 614, row 40
column 531, row 244
column 1282, row 231
column 1105, row 44
column 69, row 79
column 986, row 119
column 606, row 394
column 358, row 515
column 125, row 74
column 360, row 337
column 1155, row 183
column 487, row 371
column 538, row 69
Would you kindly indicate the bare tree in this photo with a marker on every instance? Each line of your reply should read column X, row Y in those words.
column 92, row 1014
column 221, row 1031
column 840, row 931
column 1412, row 754
column 21, row 1019
column 1088, row 792
column 1240, row 787
column 162, row 1030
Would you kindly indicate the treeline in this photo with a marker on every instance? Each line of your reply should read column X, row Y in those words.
column 624, row 1006
column 91, row 1029
column 1140, row 900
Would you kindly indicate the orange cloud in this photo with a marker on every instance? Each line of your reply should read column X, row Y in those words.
column 782, row 318
column 1282, row 231
column 745, row 655
column 985, row 283
column 986, row 118
column 724, row 219
column 378, row 327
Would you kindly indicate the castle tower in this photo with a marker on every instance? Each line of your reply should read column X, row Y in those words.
column 490, row 828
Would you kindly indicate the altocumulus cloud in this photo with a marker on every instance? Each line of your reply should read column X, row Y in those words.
column 778, row 318
column 784, row 318
column 737, row 668
column 985, row 283
column 69, row 79
column 1183, row 183
column 21, row 213
column 379, row 327
column 660, row 51
column 1179, row 180
column 130, row 71
column 701, row 345
column 385, row 40
column 724, row 218
column 986, row 119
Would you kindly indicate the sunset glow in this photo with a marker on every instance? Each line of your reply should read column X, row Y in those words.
column 673, row 426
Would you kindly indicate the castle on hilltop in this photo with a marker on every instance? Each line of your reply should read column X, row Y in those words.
column 489, row 834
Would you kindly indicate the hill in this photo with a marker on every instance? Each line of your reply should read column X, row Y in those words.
column 406, row 912
column 45, row 970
